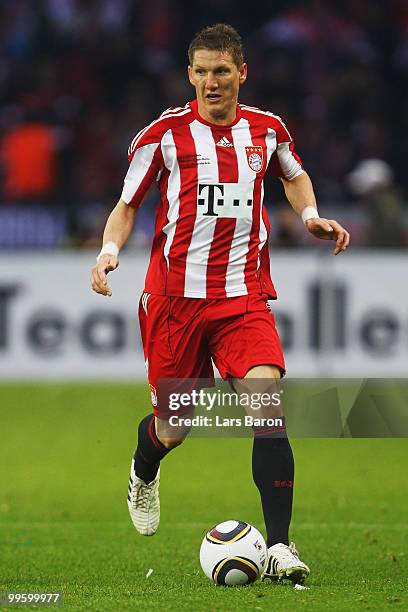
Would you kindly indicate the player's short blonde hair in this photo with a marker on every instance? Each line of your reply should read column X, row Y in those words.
column 219, row 37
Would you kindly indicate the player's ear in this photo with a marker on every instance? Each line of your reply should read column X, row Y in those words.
column 243, row 73
column 190, row 74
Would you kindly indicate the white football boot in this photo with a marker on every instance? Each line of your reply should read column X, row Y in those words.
column 284, row 563
column 144, row 503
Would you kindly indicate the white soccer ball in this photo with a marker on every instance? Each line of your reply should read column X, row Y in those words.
column 233, row 553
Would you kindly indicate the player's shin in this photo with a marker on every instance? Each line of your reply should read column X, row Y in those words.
column 149, row 452
column 273, row 474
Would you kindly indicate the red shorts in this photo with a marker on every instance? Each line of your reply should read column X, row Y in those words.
column 182, row 335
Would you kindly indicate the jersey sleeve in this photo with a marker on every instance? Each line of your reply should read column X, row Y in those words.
column 146, row 163
column 285, row 162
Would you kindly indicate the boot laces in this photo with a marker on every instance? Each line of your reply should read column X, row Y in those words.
column 289, row 553
column 141, row 496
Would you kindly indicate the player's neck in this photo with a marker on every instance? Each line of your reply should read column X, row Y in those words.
column 218, row 118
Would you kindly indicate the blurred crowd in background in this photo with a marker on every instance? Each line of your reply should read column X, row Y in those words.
column 78, row 78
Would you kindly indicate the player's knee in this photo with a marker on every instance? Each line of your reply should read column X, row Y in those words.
column 168, row 435
column 170, row 442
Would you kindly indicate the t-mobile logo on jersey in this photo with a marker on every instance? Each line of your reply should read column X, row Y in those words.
column 233, row 200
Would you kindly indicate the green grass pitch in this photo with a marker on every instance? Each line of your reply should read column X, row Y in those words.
column 64, row 459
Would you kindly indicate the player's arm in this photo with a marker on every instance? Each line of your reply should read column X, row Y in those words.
column 117, row 231
column 300, row 194
column 145, row 165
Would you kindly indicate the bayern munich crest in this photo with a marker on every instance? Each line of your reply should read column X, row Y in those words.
column 255, row 158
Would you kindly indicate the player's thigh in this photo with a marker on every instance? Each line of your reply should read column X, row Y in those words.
column 248, row 340
column 175, row 352
column 266, row 372
column 248, row 350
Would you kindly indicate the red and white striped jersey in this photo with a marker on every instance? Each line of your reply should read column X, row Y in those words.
column 211, row 230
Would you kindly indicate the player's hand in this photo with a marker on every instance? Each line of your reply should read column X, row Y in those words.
column 99, row 282
column 328, row 229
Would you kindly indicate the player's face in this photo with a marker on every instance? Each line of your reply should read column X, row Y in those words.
column 216, row 79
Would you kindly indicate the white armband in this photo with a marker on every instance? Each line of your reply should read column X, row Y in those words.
column 310, row 212
column 110, row 248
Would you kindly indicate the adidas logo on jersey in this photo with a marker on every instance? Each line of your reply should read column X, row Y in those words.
column 224, row 142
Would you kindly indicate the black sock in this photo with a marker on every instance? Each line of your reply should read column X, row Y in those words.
column 150, row 451
column 273, row 473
